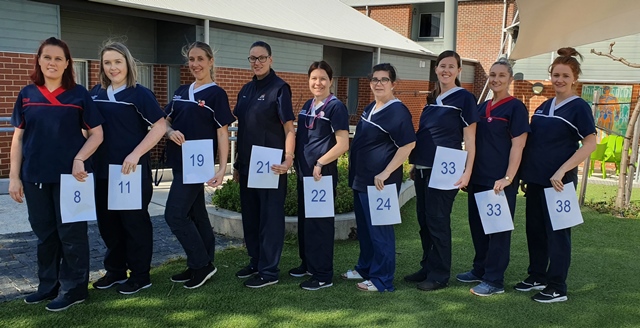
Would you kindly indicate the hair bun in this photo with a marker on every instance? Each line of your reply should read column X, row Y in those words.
column 569, row 52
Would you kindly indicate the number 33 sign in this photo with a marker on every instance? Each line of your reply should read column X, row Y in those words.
column 563, row 207
column 448, row 166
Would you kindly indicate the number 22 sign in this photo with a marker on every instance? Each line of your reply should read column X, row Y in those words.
column 318, row 197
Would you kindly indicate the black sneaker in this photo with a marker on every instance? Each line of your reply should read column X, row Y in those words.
column 62, row 303
column 183, row 276
column 315, row 284
column 430, row 285
column 549, row 295
column 529, row 284
column 416, row 277
column 259, row 282
column 108, row 280
column 132, row 287
column 36, row 297
column 246, row 272
column 299, row 272
column 200, row 276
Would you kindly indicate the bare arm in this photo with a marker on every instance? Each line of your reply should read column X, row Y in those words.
column 401, row 155
column 515, row 157
column 469, row 134
column 289, row 148
column 93, row 141
column 16, row 190
column 174, row 135
column 341, row 146
column 158, row 129
column 588, row 146
column 223, row 153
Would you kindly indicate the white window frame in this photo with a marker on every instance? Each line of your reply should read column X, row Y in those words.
column 150, row 66
column 441, row 30
column 84, row 74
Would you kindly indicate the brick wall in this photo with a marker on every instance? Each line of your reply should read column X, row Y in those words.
column 397, row 17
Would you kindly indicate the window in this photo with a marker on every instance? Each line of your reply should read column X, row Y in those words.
column 431, row 25
column 82, row 73
column 145, row 76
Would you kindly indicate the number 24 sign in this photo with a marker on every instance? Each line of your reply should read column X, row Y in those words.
column 383, row 205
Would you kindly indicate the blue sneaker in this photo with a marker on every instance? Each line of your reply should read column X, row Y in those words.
column 62, row 303
column 484, row 289
column 468, row 277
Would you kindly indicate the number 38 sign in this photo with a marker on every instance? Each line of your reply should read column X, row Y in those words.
column 563, row 207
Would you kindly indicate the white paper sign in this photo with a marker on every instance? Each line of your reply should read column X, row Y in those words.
column 77, row 199
column 318, row 197
column 563, row 207
column 448, row 166
column 125, row 191
column 260, row 174
column 197, row 161
column 383, row 205
column 494, row 211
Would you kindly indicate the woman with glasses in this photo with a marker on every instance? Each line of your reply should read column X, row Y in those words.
column 383, row 141
column 265, row 118
column 448, row 119
column 322, row 136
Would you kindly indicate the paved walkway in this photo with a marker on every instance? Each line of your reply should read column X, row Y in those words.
column 18, row 269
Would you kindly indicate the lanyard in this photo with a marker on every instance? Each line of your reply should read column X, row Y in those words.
column 320, row 113
column 491, row 106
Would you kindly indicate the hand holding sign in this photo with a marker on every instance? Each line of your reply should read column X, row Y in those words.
column 448, row 167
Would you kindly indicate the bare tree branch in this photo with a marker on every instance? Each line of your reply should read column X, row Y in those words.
column 615, row 58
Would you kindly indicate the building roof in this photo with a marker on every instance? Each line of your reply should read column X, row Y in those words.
column 326, row 20
column 361, row 3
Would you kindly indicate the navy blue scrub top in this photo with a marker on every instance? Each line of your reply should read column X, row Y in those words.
column 441, row 124
column 128, row 114
column 197, row 113
column 378, row 137
column 52, row 124
column 316, row 135
column 556, row 130
column 499, row 123
column 263, row 107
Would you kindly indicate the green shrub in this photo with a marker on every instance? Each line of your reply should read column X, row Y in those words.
column 228, row 196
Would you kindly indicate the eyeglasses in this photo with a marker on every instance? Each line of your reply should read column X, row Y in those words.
column 382, row 81
column 262, row 59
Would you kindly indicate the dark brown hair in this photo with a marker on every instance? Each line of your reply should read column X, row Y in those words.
column 431, row 98
column 68, row 77
column 567, row 56
column 321, row 65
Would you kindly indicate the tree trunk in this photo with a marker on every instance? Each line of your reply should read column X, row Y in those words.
column 621, row 199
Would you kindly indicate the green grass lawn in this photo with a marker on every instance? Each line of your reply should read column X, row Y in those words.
column 604, row 289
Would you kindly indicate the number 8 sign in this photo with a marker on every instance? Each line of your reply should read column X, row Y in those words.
column 563, row 207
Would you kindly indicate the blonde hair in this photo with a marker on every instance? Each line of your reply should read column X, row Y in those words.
column 207, row 50
column 132, row 71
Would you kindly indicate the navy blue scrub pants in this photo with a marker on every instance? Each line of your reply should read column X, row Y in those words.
column 187, row 217
column 63, row 249
column 263, row 225
column 433, row 208
column 315, row 241
column 492, row 251
column 549, row 251
column 377, row 260
column 128, row 234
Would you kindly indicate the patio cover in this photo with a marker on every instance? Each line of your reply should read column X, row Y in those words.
column 547, row 25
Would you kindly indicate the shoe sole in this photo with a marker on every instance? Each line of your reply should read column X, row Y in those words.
column 119, row 282
column 64, row 308
column 203, row 280
column 300, row 275
column 176, row 280
column 247, row 275
column 40, row 301
column 485, row 295
column 472, row 280
column 431, row 289
column 528, row 289
column 553, row 300
column 135, row 291
column 265, row 284
column 316, row 288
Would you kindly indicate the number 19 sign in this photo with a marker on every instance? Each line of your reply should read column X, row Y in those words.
column 383, row 205
column 197, row 161
column 563, row 207
column 448, row 166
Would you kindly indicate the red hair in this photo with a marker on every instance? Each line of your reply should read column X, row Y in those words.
column 68, row 77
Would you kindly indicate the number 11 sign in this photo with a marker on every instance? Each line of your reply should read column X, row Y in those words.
column 125, row 191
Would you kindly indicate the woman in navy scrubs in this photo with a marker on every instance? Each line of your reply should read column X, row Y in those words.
column 500, row 139
column 134, row 123
column 383, row 141
column 448, row 119
column 265, row 118
column 198, row 111
column 322, row 136
column 551, row 159
column 49, row 116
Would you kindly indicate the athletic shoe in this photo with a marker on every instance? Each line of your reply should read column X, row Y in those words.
column 529, row 284
column 259, row 282
column 132, row 287
column 416, row 277
column 62, row 303
column 36, row 297
column 549, row 295
column 431, row 285
column 183, row 276
column 484, row 289
column 468, row 277
column 315, row 284
column 246, row 272
column 109, row 280
column 200, row 276
column 299, row 272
